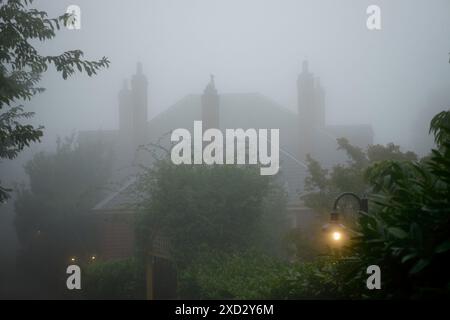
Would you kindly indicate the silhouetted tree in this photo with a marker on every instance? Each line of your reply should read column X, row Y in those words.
column 220, row 208
column 51, row 218
column 406, row 232
column 325, row 184
column 21, row 70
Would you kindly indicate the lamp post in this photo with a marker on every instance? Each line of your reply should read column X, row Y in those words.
column 334, row 229
column 363, row 202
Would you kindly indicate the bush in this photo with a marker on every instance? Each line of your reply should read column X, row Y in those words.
column 407, row 232
column 246, row 275
column 122, row 279
column 226, row 208
column 252, row 275
column 323, row 278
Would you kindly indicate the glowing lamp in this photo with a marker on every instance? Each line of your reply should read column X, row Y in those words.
column 335, row 231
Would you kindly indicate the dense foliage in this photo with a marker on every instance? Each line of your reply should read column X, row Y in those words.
column 407, row 230
column 238, row 275
column 252, row 275
column 224, row 208
column 324, row 185
column 51, row 213
column 21, row 69
column 111, row 280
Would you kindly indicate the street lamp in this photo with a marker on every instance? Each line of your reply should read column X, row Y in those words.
column 336, row 232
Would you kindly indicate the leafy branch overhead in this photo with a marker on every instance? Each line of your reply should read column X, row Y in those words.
column 22, row 67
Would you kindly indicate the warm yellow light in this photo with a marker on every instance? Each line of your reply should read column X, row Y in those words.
column 93, row 258
column 72, row 259
column 336, row 236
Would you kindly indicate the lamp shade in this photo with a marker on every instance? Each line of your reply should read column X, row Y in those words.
column 334, row 231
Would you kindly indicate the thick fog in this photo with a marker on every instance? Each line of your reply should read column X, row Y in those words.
column 394, row 79
column 383, row 78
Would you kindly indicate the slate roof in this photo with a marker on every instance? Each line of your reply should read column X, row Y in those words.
column 247, row 110
column 122, row 199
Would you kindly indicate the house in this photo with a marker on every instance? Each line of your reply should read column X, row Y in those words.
column 301, row 133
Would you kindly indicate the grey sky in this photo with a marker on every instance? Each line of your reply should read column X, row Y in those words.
column 379, row 77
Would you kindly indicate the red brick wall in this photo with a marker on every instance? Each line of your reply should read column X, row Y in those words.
column 115, row 235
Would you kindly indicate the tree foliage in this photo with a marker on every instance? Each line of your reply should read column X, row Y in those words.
column 238, row 275
column 224, row 208
column 50, row 214
column 21, row 69
column 114, row 280
column 407, row 230
column 323, row 185
column 252, row 275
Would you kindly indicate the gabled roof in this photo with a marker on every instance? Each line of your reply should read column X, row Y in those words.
column 251, row 110
column 122, row 199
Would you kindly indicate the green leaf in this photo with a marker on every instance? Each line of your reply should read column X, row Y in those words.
column 416, row 233
column 409, row 257
column 397, row 232
column 443, row 247
column 419, row 266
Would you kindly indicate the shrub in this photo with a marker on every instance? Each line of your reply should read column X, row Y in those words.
column 245, row 275
column 407, row 232
column 121, row 279
column 252, row 275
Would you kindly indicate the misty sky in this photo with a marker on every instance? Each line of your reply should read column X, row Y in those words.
column 378, row 77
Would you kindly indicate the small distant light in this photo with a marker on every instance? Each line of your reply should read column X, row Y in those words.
column 73, row 259
column 93, row 258
column 336, row 236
